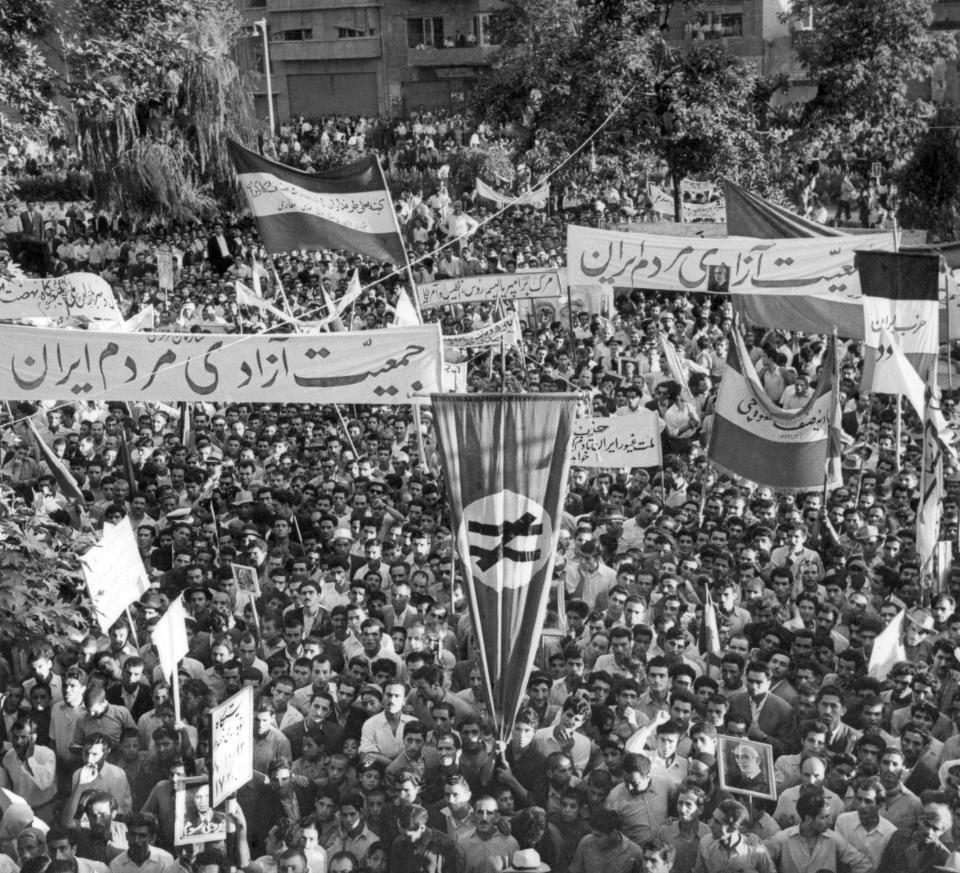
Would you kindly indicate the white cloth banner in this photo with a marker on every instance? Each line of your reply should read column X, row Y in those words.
column 621, row 441
column 537, row 198
column 405, row 313
column 374, row 366
column 509, row 286
column 455, row 377
column 817, row 267
column 507, row 330
column 75, row 295
column 165, row 275
column 231, row 745
column 663, row 204
column 169, row 636
column 114, row 573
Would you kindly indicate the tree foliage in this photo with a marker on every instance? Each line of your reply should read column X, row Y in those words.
column 150, row 87
column 865, row 56
column 42, row 582
column 930, row 183
column 571, row 67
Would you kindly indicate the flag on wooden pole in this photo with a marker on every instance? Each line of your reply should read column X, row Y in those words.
column 170, row 638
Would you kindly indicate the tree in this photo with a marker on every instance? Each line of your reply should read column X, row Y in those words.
column 865, row 56
column 930, row 183
column 607, row 69
column 151, row 87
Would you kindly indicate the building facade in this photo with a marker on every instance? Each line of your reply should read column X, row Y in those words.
column 393, row 56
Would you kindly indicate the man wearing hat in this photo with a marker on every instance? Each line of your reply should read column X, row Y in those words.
column 528, row 861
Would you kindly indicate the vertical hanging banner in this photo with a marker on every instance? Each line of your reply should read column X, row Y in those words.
column 231, row 744
column 506, row 458
column 931, row 484
column 900, row 295
column 346, row 208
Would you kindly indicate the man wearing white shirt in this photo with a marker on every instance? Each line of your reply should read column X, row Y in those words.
column 32, row 769
column 863, row 827
column 141, row 857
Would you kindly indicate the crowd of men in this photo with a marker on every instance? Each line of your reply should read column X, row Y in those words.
column 375, row 749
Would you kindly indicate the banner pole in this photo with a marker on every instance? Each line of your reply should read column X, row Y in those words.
column 899, row 431
column 346, row 433
column 175, row 691
column 133, row 628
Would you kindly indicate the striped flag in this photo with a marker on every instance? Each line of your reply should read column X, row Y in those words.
column 126, row 462
column 752, row 437
column 347, row 208
column 68, row 485
column 900, row 295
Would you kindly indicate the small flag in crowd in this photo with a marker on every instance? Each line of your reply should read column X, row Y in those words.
column 170, row 637
column 888, row 648
column 709, row 637
column 68, row 485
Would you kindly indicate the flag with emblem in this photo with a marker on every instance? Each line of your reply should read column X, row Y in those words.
column 505, row 459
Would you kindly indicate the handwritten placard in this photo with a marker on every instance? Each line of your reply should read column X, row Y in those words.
column 232, row 745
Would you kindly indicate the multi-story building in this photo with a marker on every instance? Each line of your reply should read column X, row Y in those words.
column 365, row 56
column 392, row 56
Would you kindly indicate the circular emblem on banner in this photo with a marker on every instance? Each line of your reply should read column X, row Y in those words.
column 506, row 535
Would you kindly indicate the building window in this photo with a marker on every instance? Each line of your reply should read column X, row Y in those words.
column 716, row 25
column 296, row 34
column 257, row 4
column 425, row 32
column 487, row 29
column 357, row 23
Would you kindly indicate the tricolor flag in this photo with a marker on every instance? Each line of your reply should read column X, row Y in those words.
column 752, row 437
column 126, row 461
column 505, row 459
column 893, row 373
column 169, row 635
column 888, row 648
column 900, row 295
column 68, row 485
column 347, row 208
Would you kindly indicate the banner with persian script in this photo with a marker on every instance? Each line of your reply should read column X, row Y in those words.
column 809, row 284
column 509, row 286
column 75, row 295
column 537, row 198
column 376, row 366
column 621, row 441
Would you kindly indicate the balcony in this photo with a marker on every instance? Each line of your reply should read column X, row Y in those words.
column 471, row 56
column 325, row 49
column 946, row 15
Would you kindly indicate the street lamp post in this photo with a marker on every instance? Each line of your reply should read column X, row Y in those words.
column 261, row 24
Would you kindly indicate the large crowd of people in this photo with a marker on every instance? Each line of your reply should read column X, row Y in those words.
column 637, row 747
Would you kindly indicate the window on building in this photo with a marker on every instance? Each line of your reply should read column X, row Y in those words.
column 356, row 23
column 425, row 32
column 293, row 35
column 487, row 28
column 716, row 25
column 256, row 4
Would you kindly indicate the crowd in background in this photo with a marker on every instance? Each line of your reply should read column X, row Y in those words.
column 374, row 745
